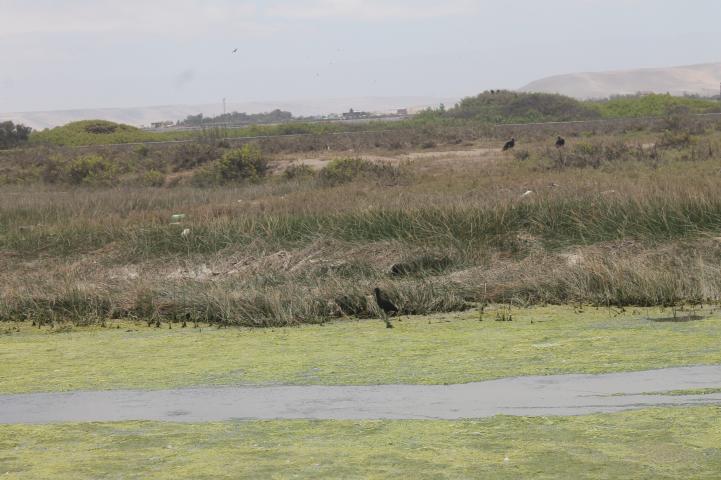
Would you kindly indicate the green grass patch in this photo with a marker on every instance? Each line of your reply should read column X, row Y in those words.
column 449, row 348
column 653, row 105
column 650, row 444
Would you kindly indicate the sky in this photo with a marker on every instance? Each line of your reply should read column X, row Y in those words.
column 72, row 54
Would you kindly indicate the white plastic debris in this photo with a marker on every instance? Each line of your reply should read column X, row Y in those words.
column 527, row 193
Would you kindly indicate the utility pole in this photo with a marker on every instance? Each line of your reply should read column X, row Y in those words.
column 223, row 106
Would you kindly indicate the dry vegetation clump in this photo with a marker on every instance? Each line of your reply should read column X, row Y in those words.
column 345, row 170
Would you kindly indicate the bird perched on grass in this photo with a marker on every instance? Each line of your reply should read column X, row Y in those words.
column 386, row 305
column 560, row 142
column 509, row 144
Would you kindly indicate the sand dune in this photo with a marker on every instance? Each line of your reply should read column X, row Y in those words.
column 694, row 79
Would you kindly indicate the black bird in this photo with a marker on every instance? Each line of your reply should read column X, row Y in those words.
column 235, row 50
column 560, row 142
column 509, row 144
column 385, row 304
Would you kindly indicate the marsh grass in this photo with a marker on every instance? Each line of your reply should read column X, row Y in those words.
column 556, row 220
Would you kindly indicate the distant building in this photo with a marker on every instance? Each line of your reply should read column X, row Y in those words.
column 353, row 115
column 402, row 111
column 165, row 124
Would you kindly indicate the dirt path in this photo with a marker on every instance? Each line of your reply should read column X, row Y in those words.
column 318, row 162
column 528, row 396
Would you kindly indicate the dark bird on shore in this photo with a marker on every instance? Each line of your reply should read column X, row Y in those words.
column 385, row 304
column 509, row 144
column 560, row 142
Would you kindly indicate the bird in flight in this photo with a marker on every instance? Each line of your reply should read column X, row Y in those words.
column 235, row 50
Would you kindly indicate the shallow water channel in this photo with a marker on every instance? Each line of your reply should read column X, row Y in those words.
column 524, row 396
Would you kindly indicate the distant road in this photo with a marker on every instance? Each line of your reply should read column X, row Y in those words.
column 231, row 126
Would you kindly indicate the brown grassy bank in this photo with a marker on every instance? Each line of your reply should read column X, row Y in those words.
column 610, row 220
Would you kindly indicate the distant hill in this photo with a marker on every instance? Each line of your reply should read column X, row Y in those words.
column 141, row 116
column 694, row 79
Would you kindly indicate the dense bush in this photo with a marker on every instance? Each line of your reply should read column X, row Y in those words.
column 90, row 170
column 245, row 164
column 518, row 107
column 12, row 135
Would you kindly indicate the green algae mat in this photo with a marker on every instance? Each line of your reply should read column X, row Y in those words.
column 439, row 349
column 650, row 444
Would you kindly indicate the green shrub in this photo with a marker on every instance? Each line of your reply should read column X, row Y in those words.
column 153, row 178
column 246, row 164
column 242, row 164
column 90, row 170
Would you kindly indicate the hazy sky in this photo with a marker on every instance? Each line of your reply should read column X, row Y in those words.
column 60, row 54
